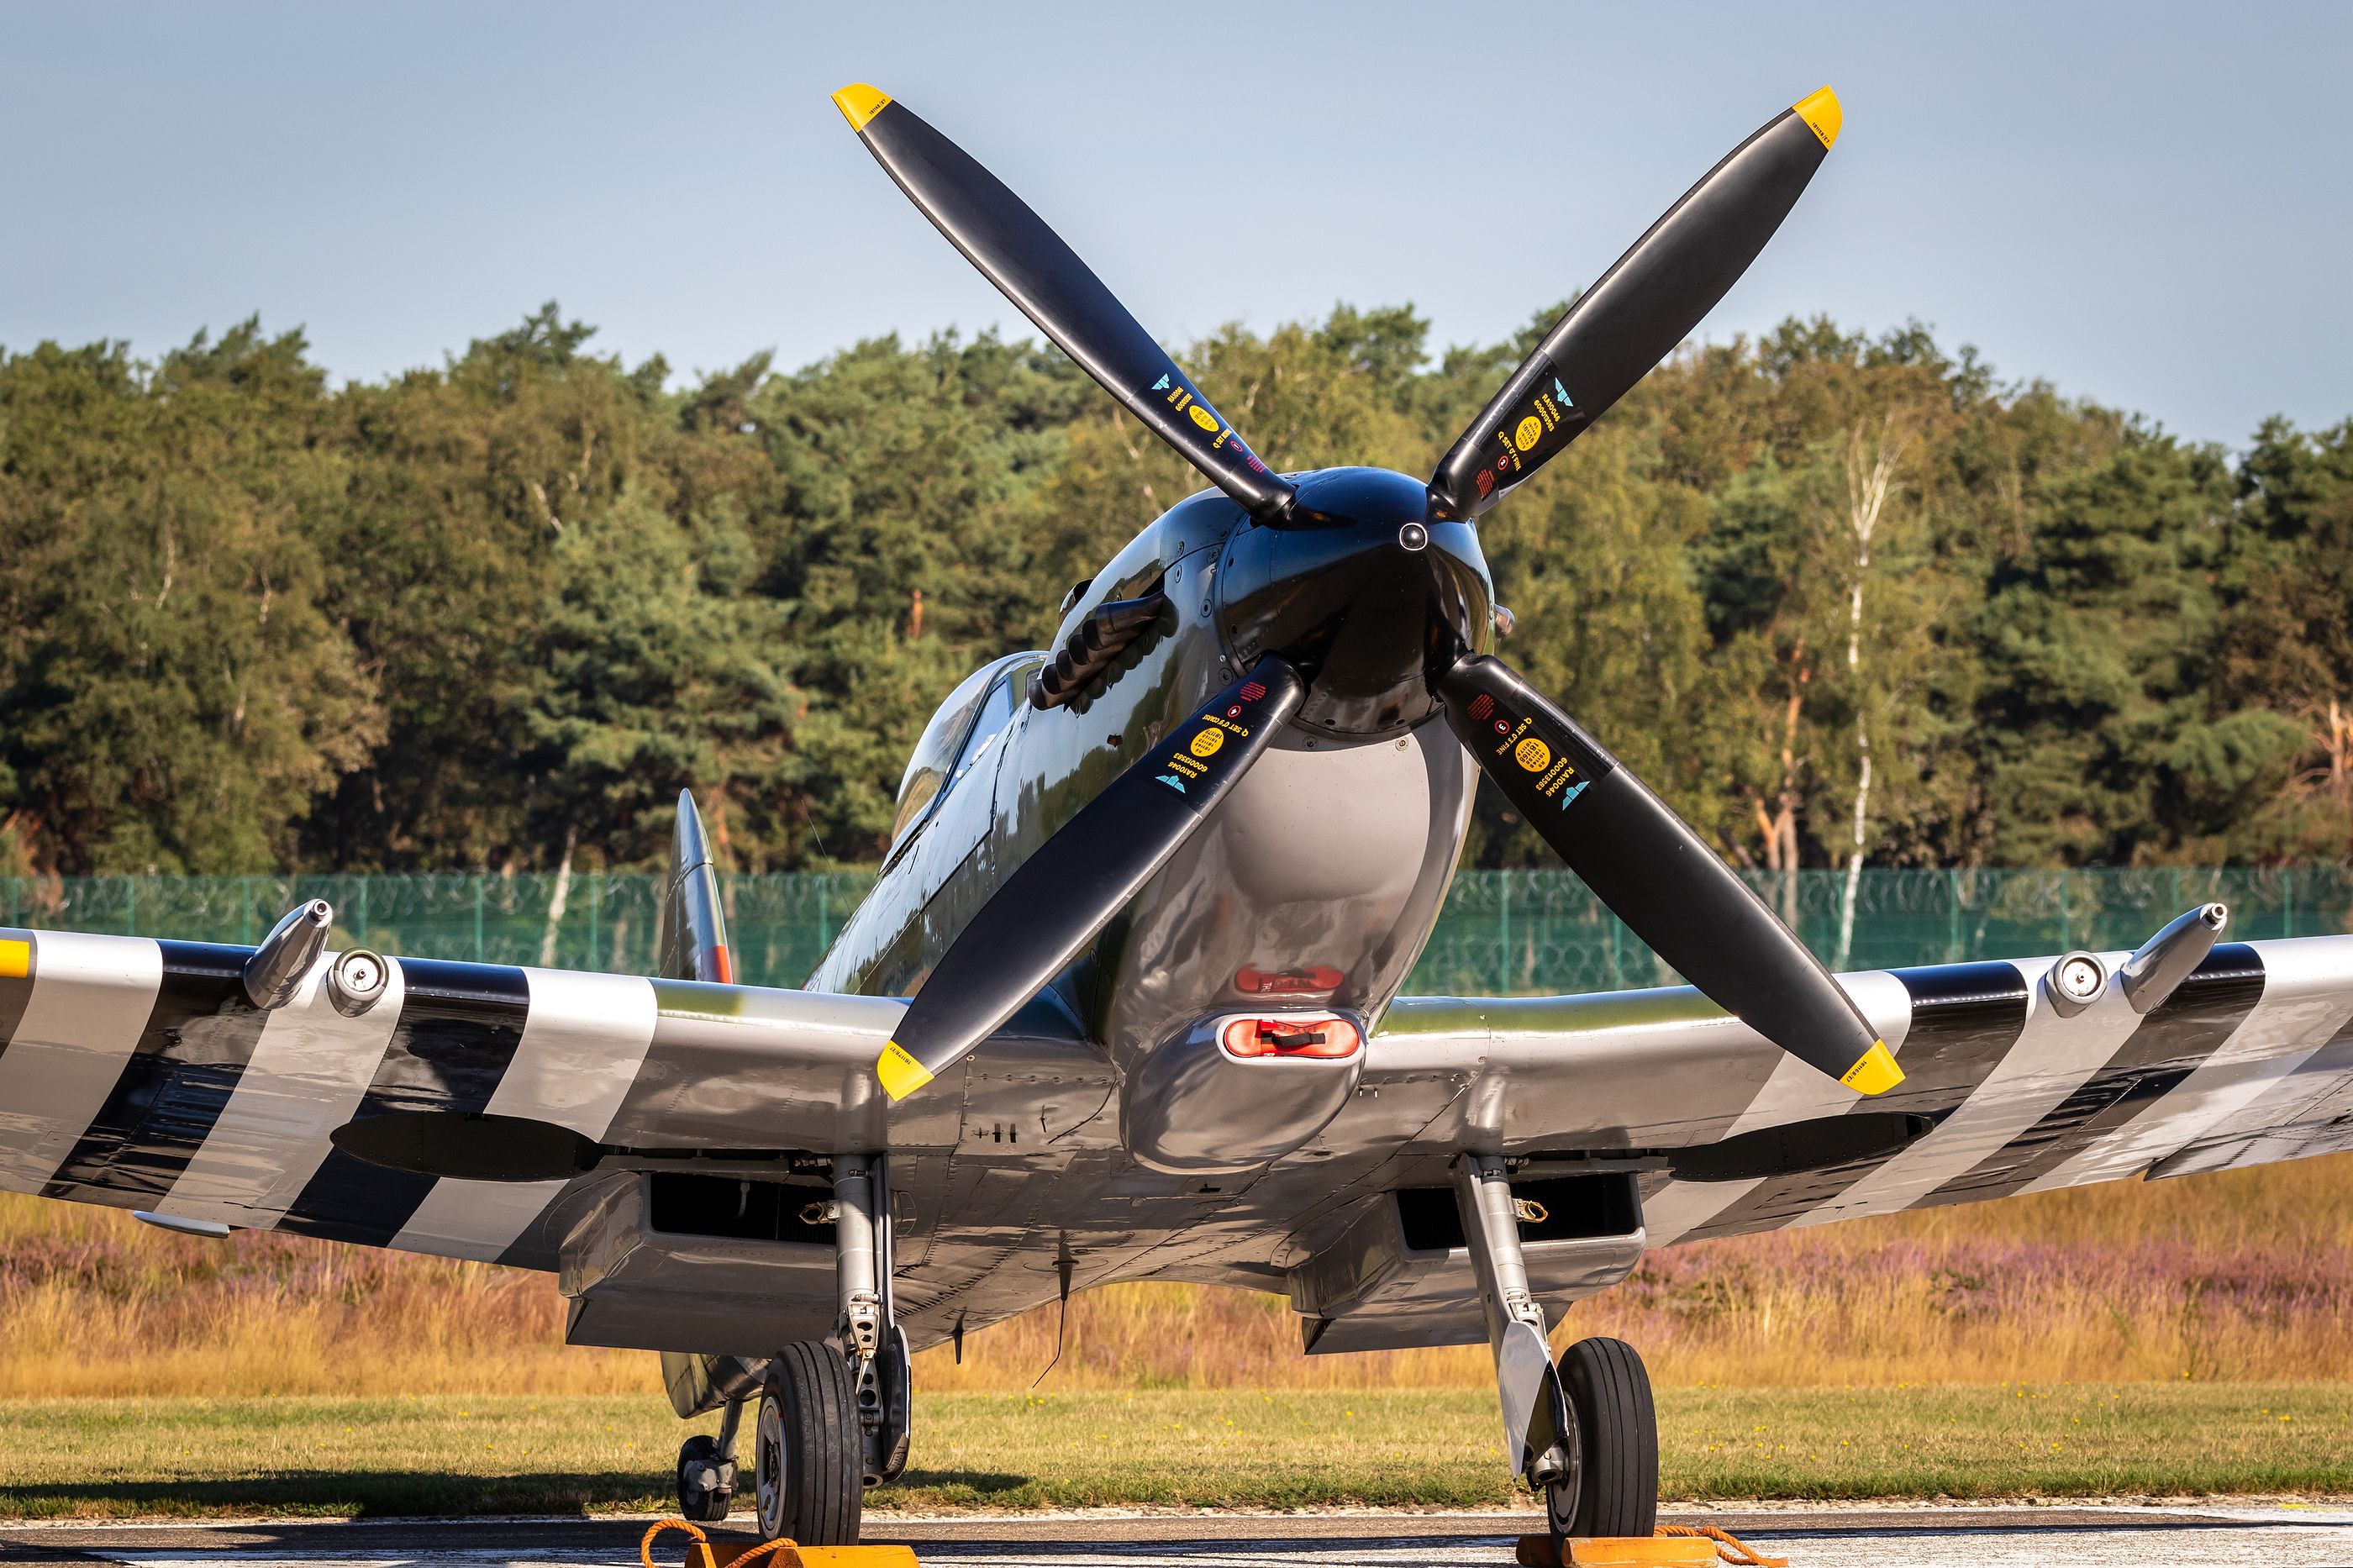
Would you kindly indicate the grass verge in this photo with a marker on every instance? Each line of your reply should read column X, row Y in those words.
column 448, row 1454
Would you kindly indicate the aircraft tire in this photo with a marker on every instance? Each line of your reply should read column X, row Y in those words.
column 808, row 1449
column 704, row 1505
column 1614, row 1489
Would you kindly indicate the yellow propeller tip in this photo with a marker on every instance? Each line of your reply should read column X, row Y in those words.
column 1820, row 110
column 1875, row 1072
column 901, row 1073
column 860, row 103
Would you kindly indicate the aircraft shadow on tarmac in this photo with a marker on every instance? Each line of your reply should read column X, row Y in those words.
column 410, row 1494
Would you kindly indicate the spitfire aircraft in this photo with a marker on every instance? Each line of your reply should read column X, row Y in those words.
column 1124, row 1002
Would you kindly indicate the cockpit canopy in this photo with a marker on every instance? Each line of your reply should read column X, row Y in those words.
column 973, row 716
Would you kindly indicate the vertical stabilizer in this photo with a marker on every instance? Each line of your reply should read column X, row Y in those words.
column 694, row 932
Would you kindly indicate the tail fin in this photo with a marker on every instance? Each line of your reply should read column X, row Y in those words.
column 694, row 944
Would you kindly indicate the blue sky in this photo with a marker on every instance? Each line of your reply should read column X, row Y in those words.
column 2148, row 205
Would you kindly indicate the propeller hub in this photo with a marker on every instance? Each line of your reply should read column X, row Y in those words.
column 1366, row 590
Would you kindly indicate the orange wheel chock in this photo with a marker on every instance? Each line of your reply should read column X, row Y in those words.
column 704, row 1552
column 1674, row 1546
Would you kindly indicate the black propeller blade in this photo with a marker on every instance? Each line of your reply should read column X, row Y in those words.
column 1016, row 251
column 1648, row 866
column 1646, row 304
column 1057, row 900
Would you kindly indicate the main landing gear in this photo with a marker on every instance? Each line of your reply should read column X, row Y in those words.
column 834, row 1412
column 1614, row 1489
column 1584, row 1432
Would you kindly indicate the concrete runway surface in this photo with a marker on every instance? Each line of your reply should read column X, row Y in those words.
column 2304, row 1535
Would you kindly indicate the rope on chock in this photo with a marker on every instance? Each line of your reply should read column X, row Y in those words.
column 1728, row 1547
column 646, row 1547
column 786, row 1551
column 782, row 1548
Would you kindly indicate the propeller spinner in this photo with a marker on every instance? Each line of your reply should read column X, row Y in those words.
column 1641, row 859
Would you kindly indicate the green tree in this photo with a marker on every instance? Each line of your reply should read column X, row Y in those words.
column 173, row 696
column 2103, row 744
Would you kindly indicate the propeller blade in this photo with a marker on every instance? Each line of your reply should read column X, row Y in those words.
column 1646, row 304
column 1650, row 868
column 1056, row 900
column 1016, row 250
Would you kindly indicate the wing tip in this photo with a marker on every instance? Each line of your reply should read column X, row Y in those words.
column 900, row 1074
column 860, row 103
column 1820, row 111
column 1874, row 1071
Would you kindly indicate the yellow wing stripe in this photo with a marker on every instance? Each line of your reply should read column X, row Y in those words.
column 860, row 103
column 1819, row 109
column 1875, row 1072
column 15, row 960
column 901, row 1073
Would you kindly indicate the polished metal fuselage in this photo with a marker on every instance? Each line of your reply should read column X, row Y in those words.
column 1314, row 885
column 1313, row 888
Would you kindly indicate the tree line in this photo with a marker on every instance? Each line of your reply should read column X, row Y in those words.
column 1843, row 599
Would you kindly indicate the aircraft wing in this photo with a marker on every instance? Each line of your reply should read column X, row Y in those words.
column 1651, row 1117
column 137, row 1073
column 2250, row 1058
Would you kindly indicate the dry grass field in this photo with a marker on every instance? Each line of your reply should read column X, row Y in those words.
column 2246, row 1277
column 2134, row 1338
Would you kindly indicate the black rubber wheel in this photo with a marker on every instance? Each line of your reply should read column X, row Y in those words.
column 1615, row 1487
column 703, row 1504
column 809, row 1472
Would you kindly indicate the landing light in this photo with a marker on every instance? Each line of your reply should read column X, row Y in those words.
column 1322, row 1039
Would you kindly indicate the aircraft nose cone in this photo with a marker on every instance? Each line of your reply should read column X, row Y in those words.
column 1364, row 590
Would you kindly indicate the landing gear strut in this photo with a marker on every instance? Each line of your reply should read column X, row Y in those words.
column 834, row 1414
column 1584, row 1432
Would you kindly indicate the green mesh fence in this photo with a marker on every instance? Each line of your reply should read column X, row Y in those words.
column 1503, row 933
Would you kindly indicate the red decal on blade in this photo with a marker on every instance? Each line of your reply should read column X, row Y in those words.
column 1482, row 707
column 1253, row 691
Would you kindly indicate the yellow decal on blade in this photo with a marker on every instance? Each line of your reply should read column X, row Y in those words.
column 901, row 1073
column 860, row 103
column 1203, row 417
column 1206, row 743
column 1821, row 111
column 15, row 960
column 1533, row 754
column 1525, row 436
column 1875, row 1072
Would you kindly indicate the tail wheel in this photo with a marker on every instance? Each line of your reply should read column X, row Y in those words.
column 1614, row 1489
column 702, row 1495
column 809, row 1461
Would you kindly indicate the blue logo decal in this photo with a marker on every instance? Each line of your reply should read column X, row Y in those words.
column 1560, row 394
column 1572, row 795
column 1172, row 782
column 1162, row 384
